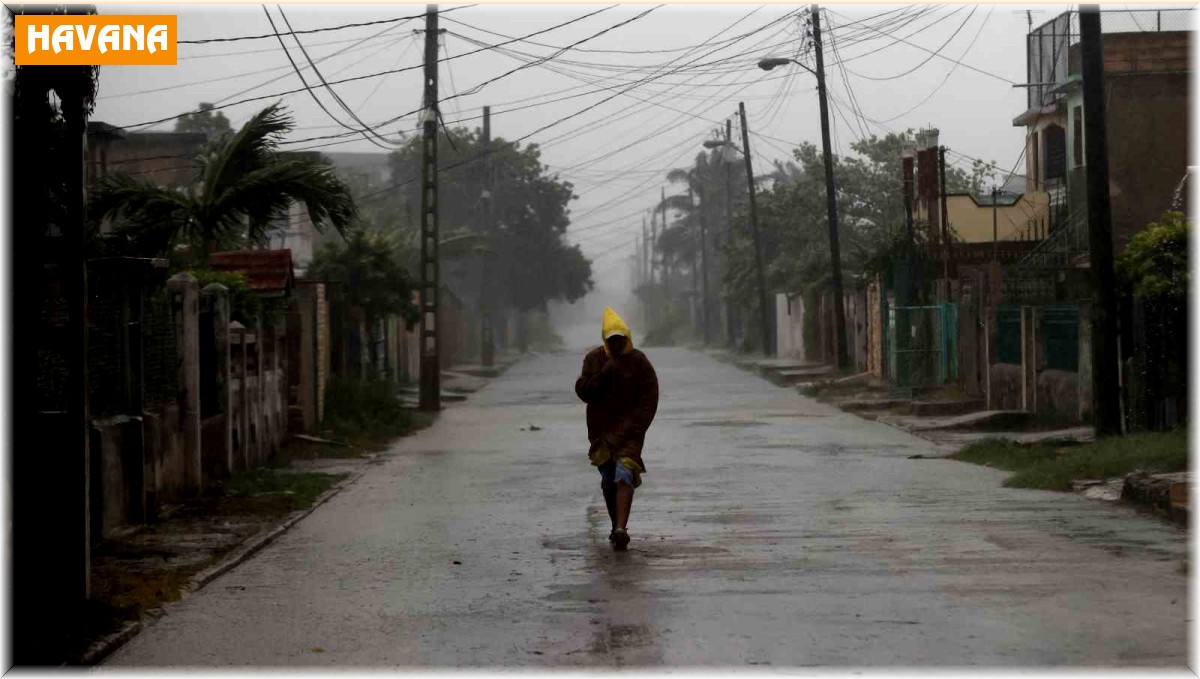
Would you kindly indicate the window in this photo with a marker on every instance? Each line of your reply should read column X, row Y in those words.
column 1077, row 114
column 1056, row 152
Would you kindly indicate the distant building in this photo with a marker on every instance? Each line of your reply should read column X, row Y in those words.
column 374, row 168
column 1019, row 213
column 297, row 232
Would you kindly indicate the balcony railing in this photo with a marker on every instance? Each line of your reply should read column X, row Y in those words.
column 1048, row 45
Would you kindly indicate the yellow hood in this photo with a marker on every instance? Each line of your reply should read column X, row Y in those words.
column 614, row 325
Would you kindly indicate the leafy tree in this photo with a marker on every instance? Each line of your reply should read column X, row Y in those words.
column 375, row 279
column 204, row 121
column 532, row 263
column 370, row 267
column 243, row 186
column 1155, row 263
column 793, row 217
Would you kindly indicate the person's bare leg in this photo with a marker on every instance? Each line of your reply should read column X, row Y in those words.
column 624, row 503
column 610, row 501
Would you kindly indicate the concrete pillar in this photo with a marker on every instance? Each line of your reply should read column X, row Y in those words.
column 260, row 379
column 185, row 302
column 1029, row 360
column 308, row 392
column 279, row 367
column 216, row 299
column 242, row 459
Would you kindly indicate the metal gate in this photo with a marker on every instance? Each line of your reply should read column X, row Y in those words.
column 922, row 345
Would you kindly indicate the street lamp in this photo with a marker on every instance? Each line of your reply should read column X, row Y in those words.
column 771, row 62
column 839, row 308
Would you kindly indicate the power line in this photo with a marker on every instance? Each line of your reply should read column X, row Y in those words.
column 338, row 82
column 926, row 49
column 929, row 58
column 659, row 130
column 485, row 83
column 946, row 79
column 340, row 27
column 358, row 42
column 386, row 144
column 309, row 89
column 218, row 55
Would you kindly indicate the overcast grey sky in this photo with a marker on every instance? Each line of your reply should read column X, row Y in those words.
column 618, row 152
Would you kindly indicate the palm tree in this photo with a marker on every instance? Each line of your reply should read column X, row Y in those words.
column 243, row 185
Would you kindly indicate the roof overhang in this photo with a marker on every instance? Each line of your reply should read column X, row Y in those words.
column 1072, row 83
column 1031, row 116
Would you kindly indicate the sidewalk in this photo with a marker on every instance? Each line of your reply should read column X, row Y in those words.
column 140, row 572
column 952, row 424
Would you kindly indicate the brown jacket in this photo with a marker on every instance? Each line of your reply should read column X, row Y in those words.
column 622, row 398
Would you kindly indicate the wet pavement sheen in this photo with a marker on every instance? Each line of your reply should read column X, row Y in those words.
column 771, row 530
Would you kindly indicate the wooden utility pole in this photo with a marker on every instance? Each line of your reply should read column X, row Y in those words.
column 487, row 346
column 646, row 273
column 764, row 326
column 835, row 257
column 1106, row 393
column 907, row 295
column 430, row 393
column 728, row 221
column 695, row 257
column 945, row 214
column 706, row 316
column 666, row 269
column 995, row 226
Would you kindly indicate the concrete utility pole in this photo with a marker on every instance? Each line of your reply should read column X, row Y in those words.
column 764, row 326
column 430, row 394
column 487, row 347
column 1106, row 392
column 835, row 257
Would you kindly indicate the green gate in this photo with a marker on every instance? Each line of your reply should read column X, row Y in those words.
column 1060, row 325
column 922, row 345
column 1008, row 334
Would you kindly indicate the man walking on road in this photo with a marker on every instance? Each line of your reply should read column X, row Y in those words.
column 620, row 389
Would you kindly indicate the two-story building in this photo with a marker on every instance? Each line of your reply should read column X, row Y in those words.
column 1146, row 85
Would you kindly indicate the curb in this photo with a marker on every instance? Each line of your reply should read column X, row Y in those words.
column 106, row 646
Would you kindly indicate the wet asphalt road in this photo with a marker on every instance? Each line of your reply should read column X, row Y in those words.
column 771, row 530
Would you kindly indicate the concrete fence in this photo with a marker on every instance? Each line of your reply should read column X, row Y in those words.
column 227, row 412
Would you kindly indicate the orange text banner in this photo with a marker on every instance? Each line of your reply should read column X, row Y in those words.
column 116, row 40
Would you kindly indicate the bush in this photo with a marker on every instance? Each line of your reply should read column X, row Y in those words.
column 370, row 410
column 1155, row 262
